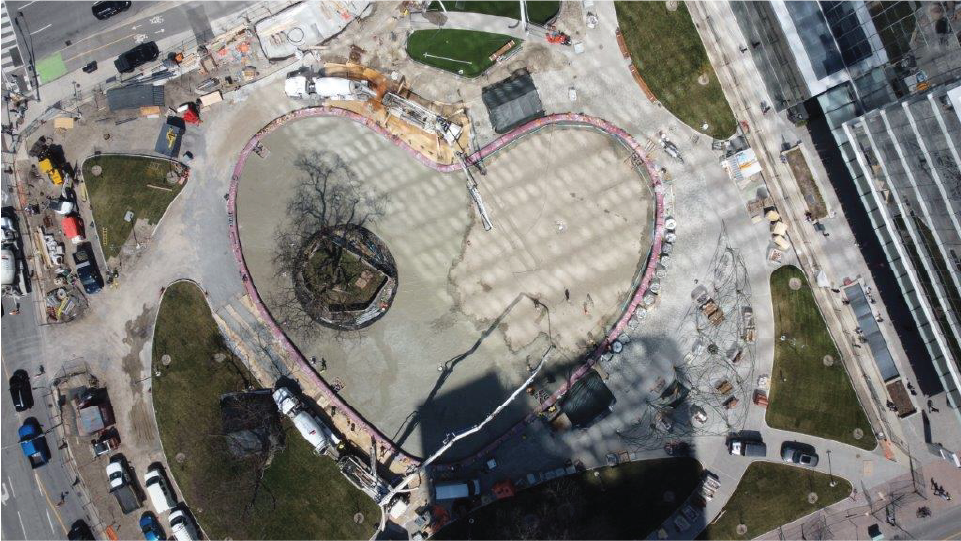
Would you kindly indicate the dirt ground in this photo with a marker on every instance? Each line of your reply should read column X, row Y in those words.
column 463, row 328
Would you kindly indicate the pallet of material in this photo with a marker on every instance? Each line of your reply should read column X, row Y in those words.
column 731, row 403
column 902, row 400
column 717, row 317
column 724, row 387
column 640, row 82
column 495, row 56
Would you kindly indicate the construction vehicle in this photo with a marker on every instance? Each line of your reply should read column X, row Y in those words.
column 49, row 161
column 317, row 434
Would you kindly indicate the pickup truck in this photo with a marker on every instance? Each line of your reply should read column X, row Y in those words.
column 121, row 486
column 33, row 443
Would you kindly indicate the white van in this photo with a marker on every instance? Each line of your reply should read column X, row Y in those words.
column 457, row 489
column 161, row 497
column 182, row 526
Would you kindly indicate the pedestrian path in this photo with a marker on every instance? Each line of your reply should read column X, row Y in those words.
column 10, row 57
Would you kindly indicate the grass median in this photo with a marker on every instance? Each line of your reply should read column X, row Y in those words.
column 127, row 183
column 300, row 496
column 770, row 495
column 809, row 395
column 464, row 52
column 668, row 53
column 622, row 502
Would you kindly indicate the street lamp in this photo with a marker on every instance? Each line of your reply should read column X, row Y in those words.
column 834, row 482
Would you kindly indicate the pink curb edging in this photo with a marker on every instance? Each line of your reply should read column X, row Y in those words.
column 572, row 119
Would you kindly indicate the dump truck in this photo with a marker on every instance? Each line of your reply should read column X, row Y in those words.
column 33, row 443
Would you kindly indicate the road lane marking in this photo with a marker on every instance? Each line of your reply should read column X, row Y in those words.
column 50, row 522
column 96, row 48
column 43, row 489
column 41, row 30
column 21, row 525
column 3, row 494
column 21, row 9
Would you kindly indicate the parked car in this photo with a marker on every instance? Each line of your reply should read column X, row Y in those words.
column 80, row 531
column 105, row 10
column 20, row 390
column 798, row 453
column 150, row 527
column 33, row 443
column 136, row 57
column 182, row 526
column 86, row 266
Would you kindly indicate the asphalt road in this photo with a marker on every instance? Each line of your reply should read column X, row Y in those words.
column 30, row 497
column 70, row 30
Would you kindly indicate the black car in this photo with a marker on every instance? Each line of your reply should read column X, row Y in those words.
column 87, row 271
column 80, row 530
column 105, row 10
column 136, row 57
column 20, row 390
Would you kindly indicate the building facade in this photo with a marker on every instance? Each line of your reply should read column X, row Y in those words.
column 904, row 159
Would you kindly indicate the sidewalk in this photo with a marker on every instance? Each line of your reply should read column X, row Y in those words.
column 837, row 255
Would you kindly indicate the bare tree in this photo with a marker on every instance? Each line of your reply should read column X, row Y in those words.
column 327, row 213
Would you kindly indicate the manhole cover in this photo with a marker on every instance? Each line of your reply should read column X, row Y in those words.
column 671, row 5
column 741, row 529
column 219, row 357
column 669, row 496
column 180, row 458
column 165, row 360
column 828, row 360
column 794, row 283
column 812, row 497
column 858, row 433
column 704, row 79
column 106, row 137
column 359, row 518
column 96, row 170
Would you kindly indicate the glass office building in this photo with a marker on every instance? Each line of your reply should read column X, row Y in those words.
column 904, row 158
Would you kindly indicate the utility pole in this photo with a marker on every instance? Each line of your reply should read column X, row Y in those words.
column 31, row 66
column 524, row 15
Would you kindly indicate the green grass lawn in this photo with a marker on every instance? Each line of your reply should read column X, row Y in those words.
column 464, row 52
column 538, row 12
column 807, row 396
column 302, row 496
column 623, row 502
column 123, row 186
column 667, row 51
column 770, row 495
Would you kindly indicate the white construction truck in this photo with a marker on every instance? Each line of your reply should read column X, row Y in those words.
column 317, row 434
column 302, row 84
